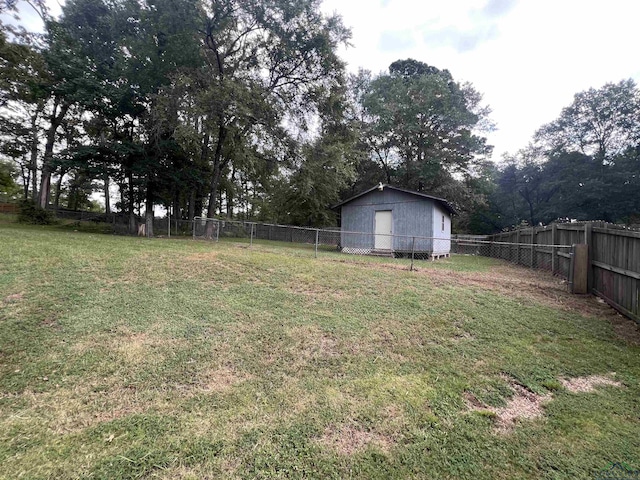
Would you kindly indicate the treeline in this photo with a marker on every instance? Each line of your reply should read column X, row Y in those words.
column 243, row 108
column 585, row 165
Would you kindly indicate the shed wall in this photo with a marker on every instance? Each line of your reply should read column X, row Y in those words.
column 412, row 216
column 444, row 245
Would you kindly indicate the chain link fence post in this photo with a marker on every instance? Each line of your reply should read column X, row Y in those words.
column 217, row 231
column 317, row 237
column 413, row 250
column 251, row 241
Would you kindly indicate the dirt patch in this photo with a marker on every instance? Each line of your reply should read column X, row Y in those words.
column 350, row 439
column 624, row 327
column 13, row 298
column 588, row 384
column 523, row 405
column 473, row 403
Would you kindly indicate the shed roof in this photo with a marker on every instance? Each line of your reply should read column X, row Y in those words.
column 382, row 187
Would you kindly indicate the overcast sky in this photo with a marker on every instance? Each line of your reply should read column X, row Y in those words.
column 527, row 57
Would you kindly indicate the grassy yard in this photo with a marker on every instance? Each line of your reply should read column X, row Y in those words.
column 132, row 358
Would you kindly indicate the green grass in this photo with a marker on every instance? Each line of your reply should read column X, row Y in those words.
column 133, row 358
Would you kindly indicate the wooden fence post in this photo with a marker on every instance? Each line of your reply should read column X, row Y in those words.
column 588, row 240
column 533, row 248
column 554, row 251
column 580, row 265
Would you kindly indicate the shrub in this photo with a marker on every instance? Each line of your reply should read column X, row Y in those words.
column 29, row 212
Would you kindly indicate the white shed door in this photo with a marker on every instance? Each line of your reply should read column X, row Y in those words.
column 383, row 230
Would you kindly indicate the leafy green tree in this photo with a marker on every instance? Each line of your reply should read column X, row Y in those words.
column 8, row 188
column 427, row 120
column 23, row 98
column 267, row 62
column 601, row 123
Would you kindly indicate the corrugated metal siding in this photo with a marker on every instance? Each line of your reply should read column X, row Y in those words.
column 412, row 216
column 444, row 245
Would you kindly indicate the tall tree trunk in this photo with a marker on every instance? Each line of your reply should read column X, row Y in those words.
column 215, row 179
column 133, row 227
column 72, row 200
column 192, row 204
column 107, row 200
column 25, row 174
column 33, row 165
column 177, row 210
column 59, row 188
column 213, row 196
column 148, row 214
column 199, row 203
column 230, row 193
column 45, row 182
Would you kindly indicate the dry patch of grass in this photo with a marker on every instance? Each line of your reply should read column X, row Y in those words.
column 135, row 347
column 315, row 291
column 535, row 286
column 209, row 256
column 349, row 439
column 71, row 409
column 13, row 298
column 528, row 405
column 312, row 343
column 523, row 405
column 132, row 347
column 220, row 379
column 588, row 384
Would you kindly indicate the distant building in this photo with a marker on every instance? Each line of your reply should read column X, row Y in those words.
column 387, row 220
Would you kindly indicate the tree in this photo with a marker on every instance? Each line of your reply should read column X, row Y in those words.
column 8, row 187
column 422, row 131
column 326, row 167
column 429, row 119
column 600, row 123
column 267, row 61
column 23, row 97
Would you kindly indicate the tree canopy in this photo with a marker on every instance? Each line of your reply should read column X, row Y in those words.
column 243, row 108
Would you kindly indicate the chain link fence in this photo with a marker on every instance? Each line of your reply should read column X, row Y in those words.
column 610, row 261
column 553, row 258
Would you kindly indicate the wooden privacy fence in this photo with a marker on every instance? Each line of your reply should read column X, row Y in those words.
column 8, row 208
column 613, row 265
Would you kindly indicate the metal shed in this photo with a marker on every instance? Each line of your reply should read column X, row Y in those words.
column 394, row 221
